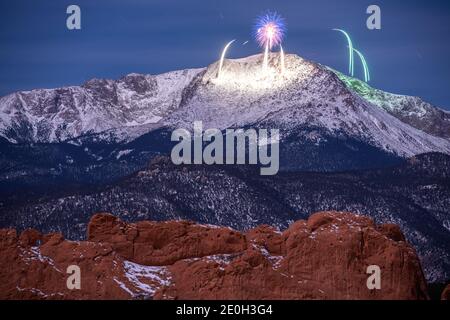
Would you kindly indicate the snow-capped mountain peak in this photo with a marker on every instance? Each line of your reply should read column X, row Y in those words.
column 301, row 94
column 306, row 94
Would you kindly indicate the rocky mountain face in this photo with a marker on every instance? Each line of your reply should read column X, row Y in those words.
column 306, row 95
column 107, row 129
column 411, row 110
column 131, row 106
column 325, row 257
column 243, row 95
column 415, row 195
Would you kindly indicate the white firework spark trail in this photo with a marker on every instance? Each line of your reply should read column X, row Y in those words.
column 222, row 57
column 282, row 59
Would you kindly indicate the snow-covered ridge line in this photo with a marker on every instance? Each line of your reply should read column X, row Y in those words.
column 306, row 94
column 99, row 105
column 409, row 109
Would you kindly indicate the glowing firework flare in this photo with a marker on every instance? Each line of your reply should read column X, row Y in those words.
column 282, row 59
column 364, row 64
column 222, row 57
column 350, row 51
column 269, row 30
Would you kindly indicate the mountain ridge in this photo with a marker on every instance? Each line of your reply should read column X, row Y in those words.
column 409, row 109
column 135, row 104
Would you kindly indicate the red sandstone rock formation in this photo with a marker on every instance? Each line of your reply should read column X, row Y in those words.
column 446, row 293
column 325, row 257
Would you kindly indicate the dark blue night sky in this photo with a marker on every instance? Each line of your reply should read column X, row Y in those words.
column 410, row 55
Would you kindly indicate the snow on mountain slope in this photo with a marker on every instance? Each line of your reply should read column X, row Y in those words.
column 411, row 110
column 307, row 94
column 54, row 115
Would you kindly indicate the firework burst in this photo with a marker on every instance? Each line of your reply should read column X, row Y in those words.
column 269, row 30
